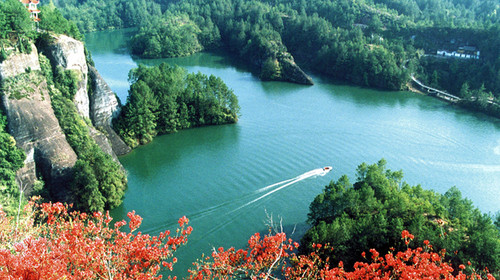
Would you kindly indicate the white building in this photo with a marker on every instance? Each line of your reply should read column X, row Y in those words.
column 465, row 52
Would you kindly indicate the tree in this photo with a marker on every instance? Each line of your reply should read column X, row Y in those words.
column 50, row 242
column 16, row 19
column 52, row 19
column 369, row 213
column 139, row 121
column 270, row 70
column 482, row 97
column 465, row 91
column 85, row 188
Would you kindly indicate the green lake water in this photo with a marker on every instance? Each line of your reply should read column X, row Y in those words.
column 217, row 176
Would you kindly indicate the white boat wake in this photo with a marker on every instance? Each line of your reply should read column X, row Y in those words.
column 223, row 219
column 286, row 183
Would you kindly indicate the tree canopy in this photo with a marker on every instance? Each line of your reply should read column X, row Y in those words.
column 163, row 99
column 374, row 43
column 371, row 212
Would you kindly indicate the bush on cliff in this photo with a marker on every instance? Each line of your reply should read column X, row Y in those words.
column 11, row 159
column 105, row 182
column 14, row 19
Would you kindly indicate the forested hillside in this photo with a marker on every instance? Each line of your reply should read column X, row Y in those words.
column 374, row 43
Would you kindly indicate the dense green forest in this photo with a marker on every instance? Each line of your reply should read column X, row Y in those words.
column 163, row 99
column 372, row 213
column 16, row 27
column 374, row 43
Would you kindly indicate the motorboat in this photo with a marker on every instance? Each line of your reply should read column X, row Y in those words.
column 327, row 168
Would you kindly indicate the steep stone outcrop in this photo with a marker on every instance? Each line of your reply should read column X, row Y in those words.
column 32, row 122
column 70, row 54
column 104, row 106
column 282, row 67
column 103, row 142
column 291, row 72
column 19, row 63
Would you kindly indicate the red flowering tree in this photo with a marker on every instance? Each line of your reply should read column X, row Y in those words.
column 273, row 257
column 74, row 245
column 49, row 242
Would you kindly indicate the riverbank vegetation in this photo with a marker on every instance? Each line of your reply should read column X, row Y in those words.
column 163, row 99
column 374, row 43
column 373, row 211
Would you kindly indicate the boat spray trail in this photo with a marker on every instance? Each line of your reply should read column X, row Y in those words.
column 223, row 219
column 274, row 185
column 284, row 184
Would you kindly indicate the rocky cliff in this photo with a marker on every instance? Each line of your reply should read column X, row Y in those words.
column 291, row 72
column 31, row 119
column 70, row 55
column 282, row 67
column 104, row 106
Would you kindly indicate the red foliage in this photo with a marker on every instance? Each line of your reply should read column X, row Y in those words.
column 80, row 246
column 264, row 256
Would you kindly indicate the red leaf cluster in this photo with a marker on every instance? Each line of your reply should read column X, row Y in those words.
column 74, row 245
column 263, row 256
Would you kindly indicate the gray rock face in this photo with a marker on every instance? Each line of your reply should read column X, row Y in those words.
column 291, row 72
column 33, row 124
column 17, row 64
column 103, row 142
column 104, row 106
column 70, row 54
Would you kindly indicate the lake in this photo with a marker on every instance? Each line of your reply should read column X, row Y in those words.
column 221, row 177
